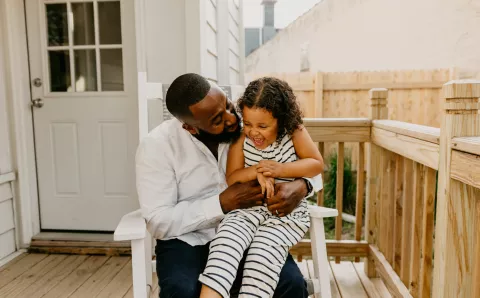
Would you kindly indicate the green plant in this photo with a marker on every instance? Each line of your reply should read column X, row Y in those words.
column 330, row 190
column 349, row 184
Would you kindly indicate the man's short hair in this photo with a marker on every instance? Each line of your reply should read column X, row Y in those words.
column 185, row 91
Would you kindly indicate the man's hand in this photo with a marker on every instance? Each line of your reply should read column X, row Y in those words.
column 287, row 197
column 241, row 196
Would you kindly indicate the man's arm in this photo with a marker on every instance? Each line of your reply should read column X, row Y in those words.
column 158, row 195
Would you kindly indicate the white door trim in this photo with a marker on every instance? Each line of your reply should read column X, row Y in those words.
column 18, row 90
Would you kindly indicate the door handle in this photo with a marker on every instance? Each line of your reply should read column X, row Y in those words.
column 37, row 103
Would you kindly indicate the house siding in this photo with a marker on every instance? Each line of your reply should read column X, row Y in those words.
column 362, row 35
column 211, row 52
column 234, row 41
column 7, row 215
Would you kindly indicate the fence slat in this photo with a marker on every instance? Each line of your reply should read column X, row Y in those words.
column 384, row 202
column 378, row 110
column 476, row 258
column 407, row 224
column 360, row 197
column 339, row 194
column 426, row 266
column 417, row 214
column 390, row 211
column 399, row 161
column 320, row 194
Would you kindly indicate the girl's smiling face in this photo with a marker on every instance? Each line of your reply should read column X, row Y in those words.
column 260, row 126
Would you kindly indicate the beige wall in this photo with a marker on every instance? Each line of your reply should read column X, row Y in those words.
column 360, row 35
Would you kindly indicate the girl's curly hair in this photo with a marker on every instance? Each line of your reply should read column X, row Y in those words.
column 275, row 96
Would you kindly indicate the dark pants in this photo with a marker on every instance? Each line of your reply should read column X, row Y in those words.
column 179, row 266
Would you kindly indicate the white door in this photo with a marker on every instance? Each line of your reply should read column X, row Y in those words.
column 83, row 75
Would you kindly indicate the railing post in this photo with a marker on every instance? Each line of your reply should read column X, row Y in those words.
column 454, row 234
column 378, row 110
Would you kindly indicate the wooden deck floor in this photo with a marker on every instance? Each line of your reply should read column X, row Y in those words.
column 62, row 276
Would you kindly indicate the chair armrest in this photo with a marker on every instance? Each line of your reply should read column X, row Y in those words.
column 132, row 226
column 322, row 212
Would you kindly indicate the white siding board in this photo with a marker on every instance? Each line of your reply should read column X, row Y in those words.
column 211, row 66
column 7, row 244
column 211, row 16
column 211, row 38
column 234, row 77
column 233, row 44
column 5, row 192
column 233, row 9
column 6, row 216
column 234, row 61
column 233, row 28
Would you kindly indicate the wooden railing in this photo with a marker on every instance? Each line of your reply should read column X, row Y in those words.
column 414, row 173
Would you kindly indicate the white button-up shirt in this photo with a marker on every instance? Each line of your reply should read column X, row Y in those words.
column 179, row 182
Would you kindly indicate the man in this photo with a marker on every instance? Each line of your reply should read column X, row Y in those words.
column 183, row 193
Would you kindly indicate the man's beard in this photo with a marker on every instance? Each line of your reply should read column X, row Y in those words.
column 224, row 137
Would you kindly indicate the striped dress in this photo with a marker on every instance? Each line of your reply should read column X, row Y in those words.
column 267, row 237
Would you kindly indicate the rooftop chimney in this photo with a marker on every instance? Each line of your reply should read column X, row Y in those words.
column 268, row 30
column 269, row 13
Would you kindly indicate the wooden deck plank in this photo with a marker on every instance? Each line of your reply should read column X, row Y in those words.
column 120, row 284
column 369, row 287
column 130, row 293
column 154, row 293
column 16, row 286
column 77, row 277
column 381, row 288
column 48, row 281
column 58, row 276
column 155, row 289
column 12, row 262
column 333, row 283
column 101, row 278
column 11, row 271
column 348, row 281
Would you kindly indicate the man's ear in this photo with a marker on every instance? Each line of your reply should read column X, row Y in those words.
column 191, row 129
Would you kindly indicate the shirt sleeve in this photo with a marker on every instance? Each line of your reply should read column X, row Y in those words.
column 158, row 195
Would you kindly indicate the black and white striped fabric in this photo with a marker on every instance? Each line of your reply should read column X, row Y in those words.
column 281, row 151
column 267, row 237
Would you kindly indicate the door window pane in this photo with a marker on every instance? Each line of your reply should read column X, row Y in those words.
column 109, row 21
column 83, row 24
column 111, row 69
column 57, row 24
column 85, row 70
column 60, row 80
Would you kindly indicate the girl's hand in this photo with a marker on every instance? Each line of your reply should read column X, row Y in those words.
column 267, row 184
column 270, row 168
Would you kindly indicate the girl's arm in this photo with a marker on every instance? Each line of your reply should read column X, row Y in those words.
column 236, row 171
column 309, row 164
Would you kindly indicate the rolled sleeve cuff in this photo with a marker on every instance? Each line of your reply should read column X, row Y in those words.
column 212, row 209
column 316, row 182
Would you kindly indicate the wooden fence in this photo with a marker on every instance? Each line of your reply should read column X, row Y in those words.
column 414, row 96
column 415, row 255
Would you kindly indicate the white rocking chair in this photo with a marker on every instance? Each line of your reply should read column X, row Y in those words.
column 133, row 227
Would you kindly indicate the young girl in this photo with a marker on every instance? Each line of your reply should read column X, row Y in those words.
column 274, row 148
